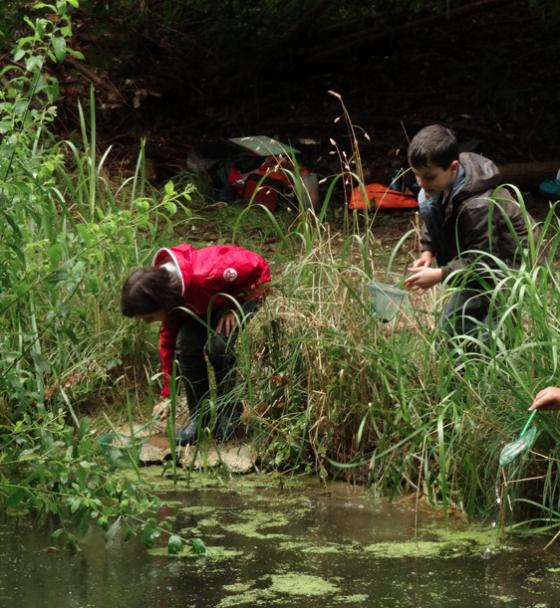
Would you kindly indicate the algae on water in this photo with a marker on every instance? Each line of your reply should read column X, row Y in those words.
column 453, row 544
column 300, row 585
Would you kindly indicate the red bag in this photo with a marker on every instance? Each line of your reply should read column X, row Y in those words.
column 271, row 188
column 383, row 198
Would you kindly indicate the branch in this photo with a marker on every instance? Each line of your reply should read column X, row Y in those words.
column 371, row 36
column 108, row 86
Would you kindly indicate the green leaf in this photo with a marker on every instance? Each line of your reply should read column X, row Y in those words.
column 72, row 542
column 84, row 428
column 84, row 233
column 59, row 45
column 56, row 534
column 53, row 91
column 57, row 277
column 149, row 536
column 75, row 504
column 15, row 497
column 13, row 225
column 198, row 546
column 171, row 208
column 21, row 258
column 174, row 545
column 27, row 455
column 55, row 254
column 77, row 54
column 81, row 475
column 22, row 186
column 41, row 363
column 41, row 23
column 69, row 333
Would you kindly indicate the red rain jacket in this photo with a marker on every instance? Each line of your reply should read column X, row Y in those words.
column 219, row 269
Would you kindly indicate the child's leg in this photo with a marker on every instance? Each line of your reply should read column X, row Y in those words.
column 221, row 353
column 191, row 340
column 463, row 313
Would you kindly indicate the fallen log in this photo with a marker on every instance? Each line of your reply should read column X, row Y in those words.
column 528, row 175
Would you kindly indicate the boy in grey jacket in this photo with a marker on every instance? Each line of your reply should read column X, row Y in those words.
column 461, row 222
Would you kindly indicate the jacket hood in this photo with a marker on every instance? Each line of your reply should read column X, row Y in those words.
column 481, row 174
column 182, row 256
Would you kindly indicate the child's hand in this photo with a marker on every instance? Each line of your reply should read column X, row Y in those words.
column 164, row 412
column 547, row 399
column 423, row 278
column 424, row 261
column 227, row 322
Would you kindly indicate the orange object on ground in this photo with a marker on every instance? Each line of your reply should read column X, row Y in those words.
column 383, row 198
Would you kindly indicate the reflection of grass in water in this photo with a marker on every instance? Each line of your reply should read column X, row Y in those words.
column 291, row 584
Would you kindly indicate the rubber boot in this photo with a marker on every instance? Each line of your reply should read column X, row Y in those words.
column 197, row 389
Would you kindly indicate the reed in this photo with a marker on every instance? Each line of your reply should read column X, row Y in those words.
column 335, row 391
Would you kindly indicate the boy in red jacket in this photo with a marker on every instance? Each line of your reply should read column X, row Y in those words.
column 212, row 284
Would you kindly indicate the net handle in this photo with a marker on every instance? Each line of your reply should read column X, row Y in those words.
column 156, row 417
column 528, row 423
column 403, row 279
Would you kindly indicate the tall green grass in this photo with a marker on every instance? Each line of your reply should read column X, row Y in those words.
column 338, row 392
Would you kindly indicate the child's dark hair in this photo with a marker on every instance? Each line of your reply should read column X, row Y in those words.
column 150, row 289
column 434, row 145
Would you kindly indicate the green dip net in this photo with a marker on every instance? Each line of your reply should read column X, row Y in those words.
column 512, row 450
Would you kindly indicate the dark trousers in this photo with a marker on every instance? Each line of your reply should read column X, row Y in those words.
column 464, row 314
column 195, row 339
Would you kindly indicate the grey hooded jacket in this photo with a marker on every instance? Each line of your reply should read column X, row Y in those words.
column 474, row 220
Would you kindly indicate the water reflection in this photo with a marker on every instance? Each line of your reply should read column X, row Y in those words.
column 295, row 548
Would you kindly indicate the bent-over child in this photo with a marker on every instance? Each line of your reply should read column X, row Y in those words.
column 184, row 289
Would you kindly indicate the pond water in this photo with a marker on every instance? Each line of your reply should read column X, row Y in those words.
column 312, row 547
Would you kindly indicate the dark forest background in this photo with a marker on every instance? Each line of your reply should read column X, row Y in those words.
column 178, row 72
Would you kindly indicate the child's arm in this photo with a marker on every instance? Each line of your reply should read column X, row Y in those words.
column 167, row 345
